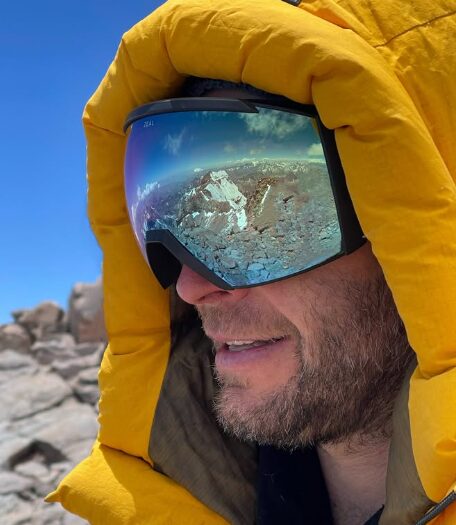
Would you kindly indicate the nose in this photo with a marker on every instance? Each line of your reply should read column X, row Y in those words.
column 196, row 290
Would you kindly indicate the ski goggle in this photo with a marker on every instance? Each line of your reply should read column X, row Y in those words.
column 244, row 192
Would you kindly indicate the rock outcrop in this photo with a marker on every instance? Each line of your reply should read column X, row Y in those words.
column 85, row 313
column 49, row 362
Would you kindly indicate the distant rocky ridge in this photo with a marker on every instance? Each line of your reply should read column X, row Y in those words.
column 49, row 362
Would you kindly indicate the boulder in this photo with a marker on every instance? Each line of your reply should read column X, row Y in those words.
column 72, row 519
column 45, row 484
column 32, row 451
column 57, row 346
column 88, row 376
column 84, row 349
column 85, row 386
column 45, row 514
column 68, row 368
column 46, row 318
column 11, row 361
column 29, row 393
column 32, row 469
column 66, row 432
column 15, row 337
column 11, row 447
column 11, row 482
column 87, row 393
column 26, row 510
column 85, row 312
column 14, row 510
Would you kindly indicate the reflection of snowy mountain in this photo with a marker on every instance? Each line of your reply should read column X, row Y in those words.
column 263, row 218
column 213, row 198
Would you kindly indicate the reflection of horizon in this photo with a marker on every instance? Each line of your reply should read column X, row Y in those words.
column 194, row 172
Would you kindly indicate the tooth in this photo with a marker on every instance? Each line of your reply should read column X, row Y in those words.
column 240, row 346
column 239, row 342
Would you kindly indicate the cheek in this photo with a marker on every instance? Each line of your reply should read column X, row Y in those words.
column 297, row 301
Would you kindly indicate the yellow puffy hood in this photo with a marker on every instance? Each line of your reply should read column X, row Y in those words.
column 382, row 74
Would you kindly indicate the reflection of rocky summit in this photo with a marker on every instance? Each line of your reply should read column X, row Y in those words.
column 217, row 186
column 214, row 201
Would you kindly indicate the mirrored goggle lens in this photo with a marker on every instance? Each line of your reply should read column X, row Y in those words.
column 247, row 194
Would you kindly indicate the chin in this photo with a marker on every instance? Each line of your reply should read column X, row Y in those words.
column 248, row 412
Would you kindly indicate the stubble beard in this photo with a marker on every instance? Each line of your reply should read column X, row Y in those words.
column 347, row 378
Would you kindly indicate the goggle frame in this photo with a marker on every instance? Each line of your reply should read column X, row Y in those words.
column 166, row 254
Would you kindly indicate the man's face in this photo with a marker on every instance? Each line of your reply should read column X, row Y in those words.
column 314, row 358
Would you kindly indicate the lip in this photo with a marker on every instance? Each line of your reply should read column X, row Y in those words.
column 225, row 359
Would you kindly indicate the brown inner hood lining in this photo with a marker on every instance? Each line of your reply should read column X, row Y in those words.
column 186, row 443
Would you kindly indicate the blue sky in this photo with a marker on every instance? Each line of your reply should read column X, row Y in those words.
column 53, row 54
column 183, row 142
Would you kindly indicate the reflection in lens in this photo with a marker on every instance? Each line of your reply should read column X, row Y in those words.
column 251, row 220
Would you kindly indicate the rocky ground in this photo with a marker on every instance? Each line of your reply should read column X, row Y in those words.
column 49, row 361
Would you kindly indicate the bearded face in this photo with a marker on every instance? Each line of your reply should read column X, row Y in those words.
column 312, row 359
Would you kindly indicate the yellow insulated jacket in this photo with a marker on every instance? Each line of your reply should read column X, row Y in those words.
column 382, row 73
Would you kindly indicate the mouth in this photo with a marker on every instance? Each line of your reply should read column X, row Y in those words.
column 239, row 345
column 235, row 354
